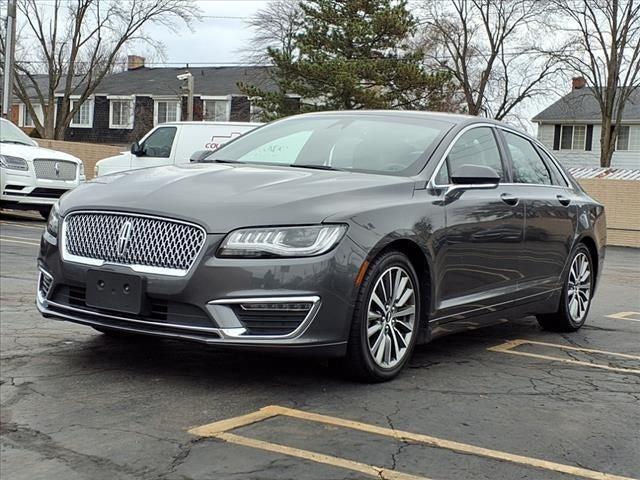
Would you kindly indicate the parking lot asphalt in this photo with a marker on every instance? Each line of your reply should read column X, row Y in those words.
column 504, row 402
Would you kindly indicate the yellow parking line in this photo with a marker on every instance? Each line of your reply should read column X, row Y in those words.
column 5, row 239
column 508, row 347
column 212, row 429
column 377, row 472
column 625, row 316
column 220, row 430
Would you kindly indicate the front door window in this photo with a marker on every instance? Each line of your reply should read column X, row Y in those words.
column 159, row 143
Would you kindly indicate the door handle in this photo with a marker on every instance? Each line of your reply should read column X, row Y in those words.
column 564, row 200
column 509, row 199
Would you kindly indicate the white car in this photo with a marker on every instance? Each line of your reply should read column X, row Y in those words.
column 172, row 143
column 33, row 178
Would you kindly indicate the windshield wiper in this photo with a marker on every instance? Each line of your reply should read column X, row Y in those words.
column 314, row 166
column 220, row 160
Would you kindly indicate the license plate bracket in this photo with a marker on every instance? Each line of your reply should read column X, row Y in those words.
column 115, row 291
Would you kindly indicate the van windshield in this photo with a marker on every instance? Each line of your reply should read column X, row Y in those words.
column 395, row 145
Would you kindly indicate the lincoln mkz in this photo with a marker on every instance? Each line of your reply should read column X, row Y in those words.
column 352, row 236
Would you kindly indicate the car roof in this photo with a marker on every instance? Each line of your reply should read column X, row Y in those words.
column 242, row 124
column 443, row 116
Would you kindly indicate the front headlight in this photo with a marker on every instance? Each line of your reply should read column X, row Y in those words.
column 13, row 163
column 302, row 241
column 53, row 223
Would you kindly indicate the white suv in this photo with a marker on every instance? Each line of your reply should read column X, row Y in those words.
column 33, row 178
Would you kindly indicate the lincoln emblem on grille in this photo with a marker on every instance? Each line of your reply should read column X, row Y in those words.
column 124, row 238
column 56, row 167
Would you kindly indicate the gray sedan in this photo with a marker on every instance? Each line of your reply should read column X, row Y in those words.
column 348, row 235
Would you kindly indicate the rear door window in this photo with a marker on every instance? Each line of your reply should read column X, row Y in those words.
column 528, row 166
column 558, row 177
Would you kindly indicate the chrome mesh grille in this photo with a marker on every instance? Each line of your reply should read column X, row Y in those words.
column 51, row 169
column 152, row 242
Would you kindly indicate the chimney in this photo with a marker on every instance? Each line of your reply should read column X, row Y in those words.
column 134, row 62
column 578, row 83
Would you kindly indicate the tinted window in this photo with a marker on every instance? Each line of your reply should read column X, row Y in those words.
column 476, row 147
column 558, row 178
column 528, row 167
column 371, row 143
column 159, row 143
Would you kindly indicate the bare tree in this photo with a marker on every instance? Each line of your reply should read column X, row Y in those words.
column 75, row 43
column 486, row 45
column 604, row 48
column 275, row 26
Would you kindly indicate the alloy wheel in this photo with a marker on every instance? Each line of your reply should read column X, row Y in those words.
column 579, row 287
column 391, row 317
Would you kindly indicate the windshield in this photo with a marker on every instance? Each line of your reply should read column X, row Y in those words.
column 9, row 133
column 389, row 144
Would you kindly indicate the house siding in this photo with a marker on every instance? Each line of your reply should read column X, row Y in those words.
column 582, row 158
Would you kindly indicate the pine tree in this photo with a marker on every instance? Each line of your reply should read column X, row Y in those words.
column 352, row 54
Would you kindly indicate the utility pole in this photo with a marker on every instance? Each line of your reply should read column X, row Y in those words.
column 10, row 50
column 188, row 86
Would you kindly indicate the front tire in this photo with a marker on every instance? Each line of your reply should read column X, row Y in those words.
column 386, row 317
column 576, row 295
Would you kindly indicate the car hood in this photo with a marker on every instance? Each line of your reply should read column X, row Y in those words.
column 224, row 197
column 29, row 153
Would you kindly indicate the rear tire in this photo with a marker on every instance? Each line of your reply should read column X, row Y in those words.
column 385, row 321
column 577, row 293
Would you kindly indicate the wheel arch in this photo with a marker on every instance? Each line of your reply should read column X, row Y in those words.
column 590, row 243
column 422, row 265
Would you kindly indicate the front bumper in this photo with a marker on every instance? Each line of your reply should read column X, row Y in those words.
column 204, row 306
column 21, row 189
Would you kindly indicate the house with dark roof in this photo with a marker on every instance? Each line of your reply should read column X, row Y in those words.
column 128, row 104
column 19, row 113
column 571, row 128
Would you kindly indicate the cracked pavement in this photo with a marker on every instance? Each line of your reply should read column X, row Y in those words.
column 76, row 404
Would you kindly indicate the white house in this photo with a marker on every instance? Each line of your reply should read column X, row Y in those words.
column 571, row 128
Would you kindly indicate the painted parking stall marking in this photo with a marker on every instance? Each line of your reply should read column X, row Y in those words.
column 630, row 316
column 22, row 225
column 222, row 430
column 511, row 348
column 20, row 240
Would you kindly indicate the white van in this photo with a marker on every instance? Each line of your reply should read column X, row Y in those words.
column 173, row 142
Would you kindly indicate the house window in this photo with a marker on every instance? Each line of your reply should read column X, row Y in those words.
column 167, row 111
column 27, row 120
column 121, row 113
column 216, row 110
column 628, row 138
column 83, row 118
column 573, row 137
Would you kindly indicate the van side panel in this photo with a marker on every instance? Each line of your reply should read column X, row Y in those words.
column 193, row 138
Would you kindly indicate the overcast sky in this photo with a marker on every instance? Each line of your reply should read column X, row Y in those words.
column 218, row 38
column 222, row 34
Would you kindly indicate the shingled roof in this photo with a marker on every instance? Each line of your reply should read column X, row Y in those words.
column 580, row 105
column 162, row 81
